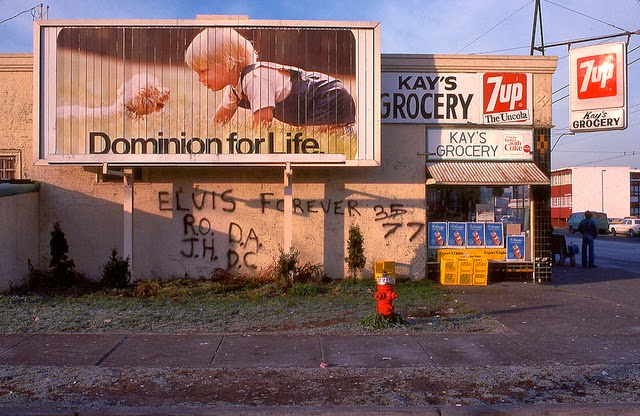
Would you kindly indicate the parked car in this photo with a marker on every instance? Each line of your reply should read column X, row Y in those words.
column 599, row 217
column 628, row 226
column 613, row 222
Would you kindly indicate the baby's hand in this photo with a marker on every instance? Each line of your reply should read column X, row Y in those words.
column 223, row 115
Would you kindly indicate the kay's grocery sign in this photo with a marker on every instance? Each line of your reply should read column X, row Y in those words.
column 492, row 98
column 598, row 87
column 451, row 143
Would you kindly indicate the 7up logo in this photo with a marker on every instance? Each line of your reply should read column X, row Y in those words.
column 504, row 92
column 597, row 76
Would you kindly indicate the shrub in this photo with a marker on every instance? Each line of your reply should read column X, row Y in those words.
column 116, row 273
column 286, row 266
column 61, row 274
column 61, row 267
column 355, row 259
column 287, row 271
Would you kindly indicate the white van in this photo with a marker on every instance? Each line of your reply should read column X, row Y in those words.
column 599, row 217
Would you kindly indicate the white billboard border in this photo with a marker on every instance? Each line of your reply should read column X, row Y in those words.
column 369, row 72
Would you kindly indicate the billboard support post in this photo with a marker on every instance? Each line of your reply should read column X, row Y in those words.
column 128, row 217
column 288, row 208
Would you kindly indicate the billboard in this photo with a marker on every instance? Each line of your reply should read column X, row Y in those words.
column 598, row 87
column 492, row 98
column 207, row 92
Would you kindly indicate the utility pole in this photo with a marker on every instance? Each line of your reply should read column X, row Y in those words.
column 537, row 13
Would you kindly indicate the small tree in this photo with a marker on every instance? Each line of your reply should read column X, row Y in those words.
column 116, row 272
column 61, row 266
column 355, row 249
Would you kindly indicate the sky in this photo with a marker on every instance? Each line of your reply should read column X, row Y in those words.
column 496, row 27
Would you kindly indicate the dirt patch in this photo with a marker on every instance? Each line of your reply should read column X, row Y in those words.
column 346, row 387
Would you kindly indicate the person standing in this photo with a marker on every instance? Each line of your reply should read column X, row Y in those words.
column 589, row 230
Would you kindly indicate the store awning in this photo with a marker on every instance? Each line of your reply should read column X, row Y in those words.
column 485, row 173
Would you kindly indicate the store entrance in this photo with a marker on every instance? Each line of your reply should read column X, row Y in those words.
column 479, row 224
column 509, row 205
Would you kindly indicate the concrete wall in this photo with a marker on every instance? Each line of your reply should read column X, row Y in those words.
column 19, row 235
column 189, row 221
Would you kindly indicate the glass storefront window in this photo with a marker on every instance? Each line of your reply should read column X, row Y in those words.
column 509, row 205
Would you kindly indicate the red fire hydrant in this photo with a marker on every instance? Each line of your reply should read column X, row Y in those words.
column 385, row 295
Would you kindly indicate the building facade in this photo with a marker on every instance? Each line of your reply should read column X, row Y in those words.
column 612, row 190
column 188, row 220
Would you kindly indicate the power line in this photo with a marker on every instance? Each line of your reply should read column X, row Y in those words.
column 587, row 16
column 560, row 89
column 584, row 136
column 498, row 24
column 500, row 50
column 624, row 152
column 560, row 99
column 607, row 159
column 22, row 12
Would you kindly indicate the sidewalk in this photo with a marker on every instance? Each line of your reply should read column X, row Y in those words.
column 585, row 317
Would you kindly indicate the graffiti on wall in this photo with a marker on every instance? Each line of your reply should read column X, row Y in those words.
column 392, row 220
column 208, row 223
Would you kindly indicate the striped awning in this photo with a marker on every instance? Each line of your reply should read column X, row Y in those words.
column 485, row 173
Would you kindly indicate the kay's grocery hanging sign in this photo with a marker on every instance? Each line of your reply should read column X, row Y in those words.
column 598, row 87
column 207, row 92
column 492, row 98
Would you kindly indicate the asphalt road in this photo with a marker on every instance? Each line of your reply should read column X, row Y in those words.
column 619, row 253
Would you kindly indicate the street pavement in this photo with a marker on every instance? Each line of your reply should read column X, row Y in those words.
column 583, row 317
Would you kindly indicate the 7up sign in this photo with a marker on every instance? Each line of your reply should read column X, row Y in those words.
column 506, row 98
column 598, row 87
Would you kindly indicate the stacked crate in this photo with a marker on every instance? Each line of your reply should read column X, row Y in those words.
column 464, row 271
column 480, row 271
column 449, row 271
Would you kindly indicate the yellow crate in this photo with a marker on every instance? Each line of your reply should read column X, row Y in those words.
column 449, row 271
column 465, row 278
column 480, row 272
column 381, row 266
column 480, row 265
column 480, row 279
column 465, row 271
column 465, row 264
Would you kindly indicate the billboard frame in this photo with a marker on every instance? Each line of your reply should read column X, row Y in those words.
column 368, row 75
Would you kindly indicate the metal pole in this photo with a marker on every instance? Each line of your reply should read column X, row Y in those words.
column 127, row 206
column 602, row 190
column 571, row 42
column 288, row 208
column 537, row 11
column 558, row 139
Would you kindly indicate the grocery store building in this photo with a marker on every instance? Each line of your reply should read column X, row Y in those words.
column 448, row 154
